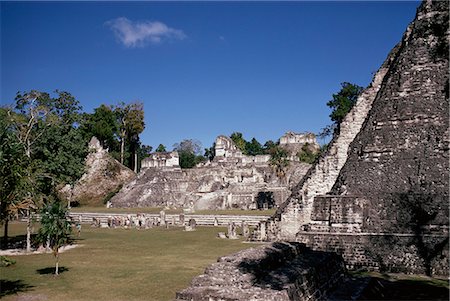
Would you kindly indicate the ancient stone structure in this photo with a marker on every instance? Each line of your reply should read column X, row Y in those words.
column 231, row 180
column 380, row 194
column 277, row 272
column 293, row 143
column 103, row 175
column 162, row 159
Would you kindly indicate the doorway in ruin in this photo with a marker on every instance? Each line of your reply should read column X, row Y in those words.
column 265, row 200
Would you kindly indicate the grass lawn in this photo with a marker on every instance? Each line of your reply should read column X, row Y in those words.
column 171, row 211
column 116, row 264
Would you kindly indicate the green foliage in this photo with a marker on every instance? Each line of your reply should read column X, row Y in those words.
column 111, row 194
column 130, row 119
column 239, row 141
column 307, row 154
column 341, row 104
column 103, row 125
column 210, row 153
column 5, row 261
column 190, row 160
column 161, row 149
column 12, row 167
column 268, row 146
column 189, row 153
column 279, row 160
column 55, row 227
column 253, row 148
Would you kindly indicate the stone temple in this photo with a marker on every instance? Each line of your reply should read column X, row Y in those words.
column 230, row 180
column 384, row 179
column 379, row 195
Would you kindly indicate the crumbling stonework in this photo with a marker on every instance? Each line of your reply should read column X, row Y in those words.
column 103, row 175
column 380, row 195
column 293, row 143
column 161, row 159
column 277, row 272
column 231, row 180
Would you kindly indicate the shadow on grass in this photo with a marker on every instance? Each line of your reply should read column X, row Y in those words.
column 9, row 287
column 51, row 270
column 17, row 242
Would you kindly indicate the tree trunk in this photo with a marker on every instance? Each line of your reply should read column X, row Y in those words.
column 122, row 149
column 5, row 234
column 135, row 161
column 28, row 231
column 57, row 263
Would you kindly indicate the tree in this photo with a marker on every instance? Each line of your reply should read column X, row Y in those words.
column 253, row 148
column 53, row 153
column 279, row 161
column 341, row 104
column 102, row 124
column 307, row 154
column 55, row 228
column 239, row 141
column 131, row 124
column 161, row 149
column 210, row 153
column 268, row 146
column 11, row 173
column 189, row 152
column 30, row 118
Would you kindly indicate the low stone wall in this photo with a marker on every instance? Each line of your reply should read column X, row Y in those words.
column 279, row 271
column 201, row 220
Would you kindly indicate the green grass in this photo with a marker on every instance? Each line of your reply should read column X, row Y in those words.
column 171, row 211
column 117, row 264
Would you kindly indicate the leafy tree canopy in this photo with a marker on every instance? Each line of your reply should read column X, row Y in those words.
column 189, row 151
column 161, row 149
column 341, row 104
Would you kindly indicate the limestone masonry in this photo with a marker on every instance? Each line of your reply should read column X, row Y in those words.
column 103, row 175
column 378, row 198
column 230, row 180
column 380, row 194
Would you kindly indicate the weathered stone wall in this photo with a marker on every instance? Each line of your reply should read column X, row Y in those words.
column 387, row 172
column 103, row 175
column 161, row 159
column 321, row 177
column 280, row 271
column 344, row 224
column 215, row 186
column 231, row 180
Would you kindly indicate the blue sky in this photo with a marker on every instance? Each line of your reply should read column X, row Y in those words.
column 201, row 68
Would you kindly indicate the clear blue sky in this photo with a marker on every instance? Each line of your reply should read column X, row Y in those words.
column 201, row 68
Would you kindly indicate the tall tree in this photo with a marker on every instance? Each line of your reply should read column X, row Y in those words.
column 30, row 119
column 341, row 104
column 102, row 124
column 12, row 170
column 45, row 128
column 131, row 124
column 55, row 228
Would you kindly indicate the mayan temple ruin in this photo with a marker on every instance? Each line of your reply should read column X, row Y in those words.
column 379, row 195
column 230, row 180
